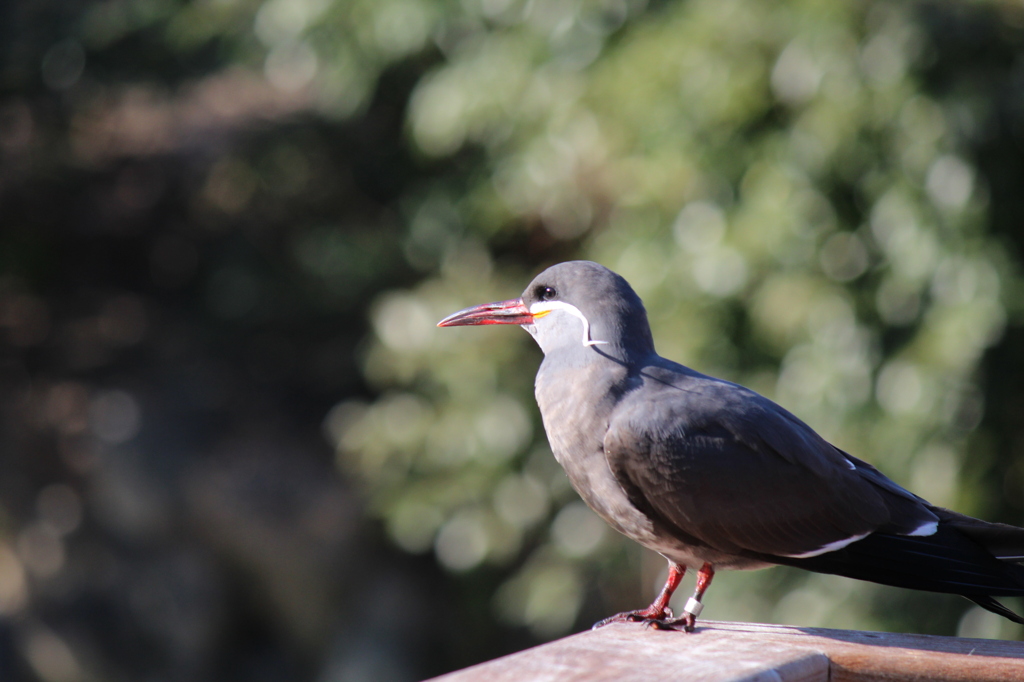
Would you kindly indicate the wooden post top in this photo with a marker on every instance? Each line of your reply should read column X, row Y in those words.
column 749, row 652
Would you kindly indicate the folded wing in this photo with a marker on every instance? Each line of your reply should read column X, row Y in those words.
column 741, row 474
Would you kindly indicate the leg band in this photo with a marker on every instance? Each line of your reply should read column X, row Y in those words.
column 693, row 607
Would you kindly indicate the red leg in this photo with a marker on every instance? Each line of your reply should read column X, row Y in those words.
column 694, row 605
column 659, row 607
column 658, row 611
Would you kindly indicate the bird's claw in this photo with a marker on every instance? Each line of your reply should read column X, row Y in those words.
column 687, row 622
column 647, row 616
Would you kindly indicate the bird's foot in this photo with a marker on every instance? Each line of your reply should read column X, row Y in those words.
column 650, row 617
column 687, row 623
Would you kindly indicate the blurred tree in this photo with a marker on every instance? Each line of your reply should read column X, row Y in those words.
column 224, row 220
column 186, row 257
column 800, row 212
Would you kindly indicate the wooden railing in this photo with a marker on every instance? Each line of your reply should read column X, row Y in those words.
column 735, row 652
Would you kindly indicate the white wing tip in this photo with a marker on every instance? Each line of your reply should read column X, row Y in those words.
column 830, row 547
column 925, row 529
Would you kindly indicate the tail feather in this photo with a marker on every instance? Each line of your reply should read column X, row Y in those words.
column 1003, row 541
column 966, row 556
column 948, row 561
column 994, row 606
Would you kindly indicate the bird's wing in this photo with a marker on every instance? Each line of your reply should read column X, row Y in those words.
column 736, row 471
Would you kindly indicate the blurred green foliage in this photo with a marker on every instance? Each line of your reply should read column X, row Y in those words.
column 799, row 213
column 238, row 444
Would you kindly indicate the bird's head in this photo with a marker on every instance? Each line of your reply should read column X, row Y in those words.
column 572, row 307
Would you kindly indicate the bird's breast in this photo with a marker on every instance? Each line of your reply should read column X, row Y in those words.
column 576, row 406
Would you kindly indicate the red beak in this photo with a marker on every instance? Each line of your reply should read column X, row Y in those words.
column 511, row 311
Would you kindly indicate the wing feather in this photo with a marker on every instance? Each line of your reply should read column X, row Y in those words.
column 739, row 473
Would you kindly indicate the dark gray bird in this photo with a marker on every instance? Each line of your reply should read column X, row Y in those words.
column 712, row 475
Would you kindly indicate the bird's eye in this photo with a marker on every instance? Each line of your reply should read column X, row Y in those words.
column 546, row 293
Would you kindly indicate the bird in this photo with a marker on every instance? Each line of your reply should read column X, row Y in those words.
column 714, row 476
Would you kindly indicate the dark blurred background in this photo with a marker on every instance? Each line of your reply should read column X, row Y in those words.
column 233, row 445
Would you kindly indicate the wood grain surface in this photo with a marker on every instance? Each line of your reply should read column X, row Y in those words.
column 748, row 652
